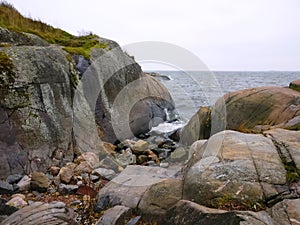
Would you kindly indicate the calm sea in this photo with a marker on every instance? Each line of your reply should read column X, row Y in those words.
column 190, row 90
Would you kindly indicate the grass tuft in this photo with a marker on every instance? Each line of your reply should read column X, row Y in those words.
column 11, row 19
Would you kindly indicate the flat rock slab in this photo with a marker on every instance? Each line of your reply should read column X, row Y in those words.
column 41, row 213
column 130, row 185
column 117, row 215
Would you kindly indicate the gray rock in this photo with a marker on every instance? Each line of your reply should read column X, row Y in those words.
column 89, row 157
column 24, row 183
column 186, row 213
column 132, row 183
column 102, row 204
column 14, row 178
column 233, row 164
column 117, row 215
column 67, row 189
column 6, row 188
column 17, row 202
column 41, row 213
column 125, row 158
column 180, row 154
column 105, row 173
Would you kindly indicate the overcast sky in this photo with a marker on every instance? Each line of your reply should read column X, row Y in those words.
column 224, row 34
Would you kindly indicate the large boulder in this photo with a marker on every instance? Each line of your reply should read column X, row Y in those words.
column 54, row 106
column 236, row 167
column 249, row 110
column 42, row 213
column 263, row 106
column 295, row 85
column 187, row 213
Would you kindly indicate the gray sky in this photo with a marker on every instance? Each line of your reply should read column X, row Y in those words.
column 225, row 35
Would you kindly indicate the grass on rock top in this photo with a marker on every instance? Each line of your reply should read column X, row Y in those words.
column 11, row 19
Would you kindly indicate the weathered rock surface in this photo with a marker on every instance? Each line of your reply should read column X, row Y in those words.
column 268, row 106
column 236, row 165
column 133, row 182
column 187, row 213
column 288, row 143
column 295, row 85
column 49, row 101
column 41, row 213
column 117, row 215
column 249, row 110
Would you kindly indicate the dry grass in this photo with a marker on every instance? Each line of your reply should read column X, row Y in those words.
column 11, row 19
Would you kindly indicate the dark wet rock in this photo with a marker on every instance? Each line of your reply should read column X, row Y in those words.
column 15, row 178
column 117, row 215
column 102, row 204
column 6, row 188
column 41, row 213
column 5, row 210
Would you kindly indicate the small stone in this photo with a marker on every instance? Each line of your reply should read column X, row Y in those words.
column 142, row 159
column 13, row 179
column 17, row 202
column 6, row 188
column 19, row 195
column 105, row 173
column 164, row 165
column 39, row 181
column 125, row 158
column 109, row 148
column 178, row 155
column 101, row 204
column 24, row 183
column 140, row 146
column 126, row 144
column 65, row 174
column 54, row 170
column 83, row 167
column 67, row 189
column 91, row 158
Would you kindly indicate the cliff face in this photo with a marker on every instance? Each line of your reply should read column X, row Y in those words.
column 54, row 105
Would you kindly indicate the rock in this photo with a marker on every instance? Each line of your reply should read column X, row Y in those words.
column 109, row 163
column 89, row 157
column 248, row 108
column 131, row 184
column 39, row 181
column 14, row 178
column 109, row 148
column 196, row 146
column 54, row 170
column 295, row 85
column 141, row 159
column 180, row 154
column 24, row 183
column 102, row 204
column 286, row 212
column 83, row 167
column 17, row 202
column 52, row 99
column 41, row 213
column 117, row 215
column 67, row 189
column 105, row 173
column 40, row 102
column 6, row 188
column 125, row 158
column 288, row 144
column 233, row 164
column 186, row 213
column 65, row 174
column 126, row 144
column 161, row 196
column 6, row 210
column 164, row 165
column 140, row 146
column 198, row 127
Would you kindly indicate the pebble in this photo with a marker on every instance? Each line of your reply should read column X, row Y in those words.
column 17, row 202
column 164, row 165
column 15, row 178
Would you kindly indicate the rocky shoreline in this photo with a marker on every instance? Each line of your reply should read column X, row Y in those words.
column 70, row 152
